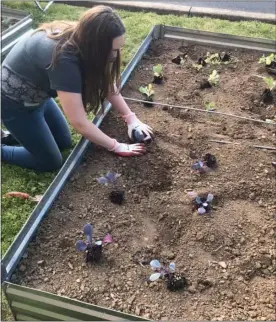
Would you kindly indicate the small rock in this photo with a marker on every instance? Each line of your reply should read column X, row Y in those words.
column 131, row 299
column 46, row 279
column 70, row 265
column 168, row 254
column 95, row 289
column 78, row 280
column 242, row 241
column 252, row 196
column 191, row 289
column 258, row 265
column 25, row 255
column 191, row 255
column 199, row 236
column 146, row 316
column 22, row 268
column 236, row 252
column 41, row 262
column 252, row 314
column 228, row 242
column 137, row 311
column 222, row 264
column 212, row 238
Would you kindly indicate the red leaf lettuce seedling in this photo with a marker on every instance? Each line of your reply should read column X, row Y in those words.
column 202, row 203
column 110, row 179
column 93, row 250
column 174, row 281
column 208, row 163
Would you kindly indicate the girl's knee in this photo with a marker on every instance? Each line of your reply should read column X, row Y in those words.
column 50, row 164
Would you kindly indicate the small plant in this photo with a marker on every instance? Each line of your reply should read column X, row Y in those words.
column 213, row 59
column 158, row 74
column 214, row 78
column 174, row 281
column 217, row 58
column 110, row 179
column 180, row 59
column 93, row 250
column 267, row 60
column 267, row 95
column 148, row 92
column 202, row 203
column 208, row 163
column 270, row 83
column 210, row 106
column 198, row 67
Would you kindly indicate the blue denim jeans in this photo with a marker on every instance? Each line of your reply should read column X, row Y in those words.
column 41, row 130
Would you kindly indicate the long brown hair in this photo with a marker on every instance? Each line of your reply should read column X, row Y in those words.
column 91, row 39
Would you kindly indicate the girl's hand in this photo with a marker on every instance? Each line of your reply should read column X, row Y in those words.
column 128, row 150
column 134, row 123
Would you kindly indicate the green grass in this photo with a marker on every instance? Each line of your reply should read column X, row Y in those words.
column 16, row 211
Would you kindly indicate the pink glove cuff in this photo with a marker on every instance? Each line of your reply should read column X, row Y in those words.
column 129, row 118
column 115, row 146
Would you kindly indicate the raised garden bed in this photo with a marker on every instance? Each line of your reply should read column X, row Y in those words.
column 227, row 255
column 14, row 25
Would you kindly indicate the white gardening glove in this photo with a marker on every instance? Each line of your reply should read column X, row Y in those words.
column 128, row 150
column 134, row 124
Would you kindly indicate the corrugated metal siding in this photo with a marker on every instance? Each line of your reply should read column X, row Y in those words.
column 34, row 305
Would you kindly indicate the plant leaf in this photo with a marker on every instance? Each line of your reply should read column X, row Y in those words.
column 157, row 69
column 88, row 232
column 201, row 211
column 210, row 197
column 102, row 180
column 198, row 200
column 154, row 277
column 143, row 90
column 155, row 264
column 172, row 267
column 81, row 246
column 107, row 239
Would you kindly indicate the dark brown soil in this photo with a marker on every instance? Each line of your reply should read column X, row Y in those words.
column 228, row 255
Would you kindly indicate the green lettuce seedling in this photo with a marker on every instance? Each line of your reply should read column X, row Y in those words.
column 158, row 70
column 214, row 78
column 210, row 106
column 198, row 67
column 213, row 59
column 270, row 82
column 267, row 60
column 147, row 90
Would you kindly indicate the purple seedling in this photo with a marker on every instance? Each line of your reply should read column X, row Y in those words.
column 173, row 280
column 93, row 250
column 110, row 179
column 202, row 203
column 208, row 163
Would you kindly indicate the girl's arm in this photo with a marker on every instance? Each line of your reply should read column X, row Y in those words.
column 74, row 110
column 134, row 124
column 119, row 103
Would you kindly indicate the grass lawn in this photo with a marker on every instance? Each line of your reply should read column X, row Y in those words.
column 16, row 211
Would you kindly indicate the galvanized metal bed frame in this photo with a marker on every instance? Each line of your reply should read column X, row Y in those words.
column 27, row 303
